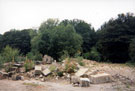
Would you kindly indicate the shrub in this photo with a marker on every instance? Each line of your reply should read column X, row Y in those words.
column 29, row 64
column 70, row 65
column 8, row 68
column 9, row 54
column 20, row 58
column 52, row 68
column 60, row 73
column 92, row 55
column 79, row 60
column 34, row 56
column 64, row 56
column 1, row 62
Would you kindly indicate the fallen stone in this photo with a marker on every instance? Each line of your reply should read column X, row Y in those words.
column 81, row 72
column 11, row 73
column 76, row 84
column 92, row 72
column 41, row 76
column 3, row 75
column 13, row 69
column 38, row 62
column 18, row 65
column 100, row 78
column 43, row 80
column 22, row 78
column 16, row 77
column 31, row 74
column 38, row 70
column 84, row 82
column 22, row 70
column 46, row 72
column 75, row 80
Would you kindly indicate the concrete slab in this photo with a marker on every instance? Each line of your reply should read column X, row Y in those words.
column 100, row 78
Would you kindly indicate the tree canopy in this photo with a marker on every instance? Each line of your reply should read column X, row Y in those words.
column 115, row 37
column 113, row 42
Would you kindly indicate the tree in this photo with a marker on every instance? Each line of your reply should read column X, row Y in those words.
column 55, row 41
column 115, row 38
column 1, row 38
column 132, row 50
column 17, row 39
column 86, row 31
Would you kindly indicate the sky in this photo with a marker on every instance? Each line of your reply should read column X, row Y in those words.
column 23, row 14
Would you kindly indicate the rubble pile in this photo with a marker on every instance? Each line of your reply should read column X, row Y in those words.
column 79, row 76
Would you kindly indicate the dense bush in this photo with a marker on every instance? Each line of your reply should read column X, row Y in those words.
column 9, row 54
column 17, row 39
column 132, row 50
column 70, row 65
column 34, row 56
column 29, row 64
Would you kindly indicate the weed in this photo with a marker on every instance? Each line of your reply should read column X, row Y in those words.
column 31, row 84
column 29, row 64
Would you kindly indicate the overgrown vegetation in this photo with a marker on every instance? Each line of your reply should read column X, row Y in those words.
column 28, row 64
column 113, row 42
column 9, row 54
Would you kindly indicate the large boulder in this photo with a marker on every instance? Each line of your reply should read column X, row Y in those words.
column 100, row 78
column 47, row 59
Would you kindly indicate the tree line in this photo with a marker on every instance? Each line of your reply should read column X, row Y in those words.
column 113, row 42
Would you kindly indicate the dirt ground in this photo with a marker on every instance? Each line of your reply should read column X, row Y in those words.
column 33, row 85
column 124, row 80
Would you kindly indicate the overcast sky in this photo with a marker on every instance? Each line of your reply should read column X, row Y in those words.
column 22, row 14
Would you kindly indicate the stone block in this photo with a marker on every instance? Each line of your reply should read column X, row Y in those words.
column 100, row 78
column 46, row 72
column 84, row 82
column 81, row 72
column 38, row 70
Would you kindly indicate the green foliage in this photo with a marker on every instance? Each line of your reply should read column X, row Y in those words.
column 59, row 73
column 130, row 63
column 79, row 60
column 70, row 65
column 8, row 68
column 92, row 55
column 29, row 64
column 34, row 56
column 20, row 58
column 115, row 37
column 87, row 33
column 72, row 38
column 52, row 68
column 132, row 50
column 17, row 39
column 64, row 56
column 59, row 41
column 9, row 54
column 1, row 62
